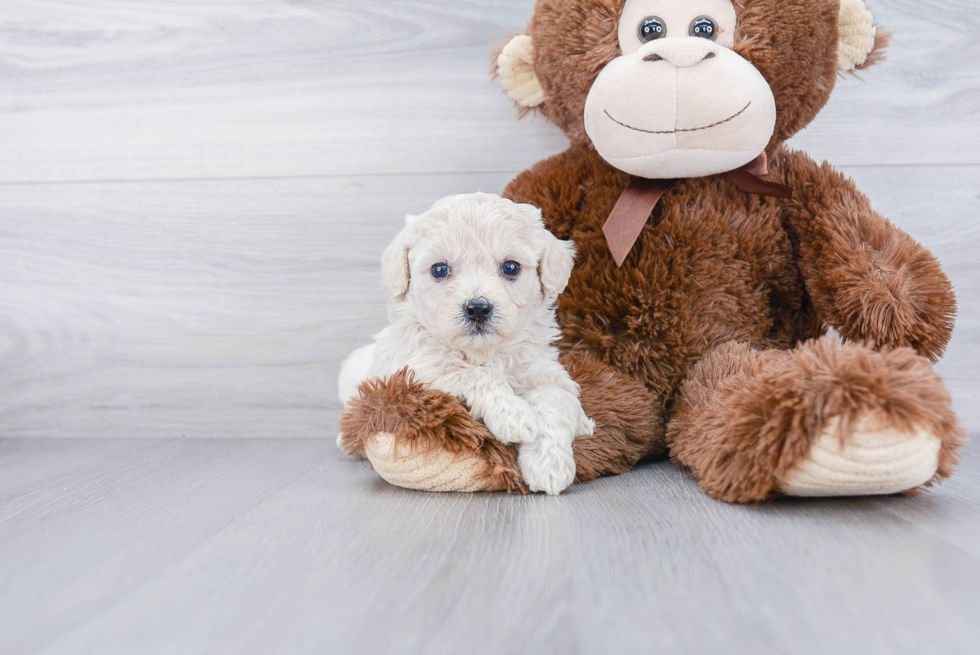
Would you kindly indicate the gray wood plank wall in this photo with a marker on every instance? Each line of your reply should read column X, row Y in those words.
column 194, row 195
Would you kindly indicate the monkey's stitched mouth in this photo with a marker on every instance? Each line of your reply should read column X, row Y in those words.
column 688, row 129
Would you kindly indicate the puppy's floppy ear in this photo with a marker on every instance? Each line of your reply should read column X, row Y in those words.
column 394, row 268
column 557, row 257
column 556, row 264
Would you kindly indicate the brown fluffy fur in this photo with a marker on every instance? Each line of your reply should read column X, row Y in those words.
column 700, row 328
column 629, row 426
column 422, row 419
column 746, row 417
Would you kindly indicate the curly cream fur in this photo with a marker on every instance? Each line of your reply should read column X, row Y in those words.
column 508, row 373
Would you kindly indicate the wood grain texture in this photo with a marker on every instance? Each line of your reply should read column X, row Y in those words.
column 76, row 540
column 251, row 546
column 137, row 89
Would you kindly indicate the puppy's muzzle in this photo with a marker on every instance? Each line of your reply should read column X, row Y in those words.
column 478, row 311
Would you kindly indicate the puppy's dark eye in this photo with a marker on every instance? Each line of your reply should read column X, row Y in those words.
column 704, row 27
column 652, row 28
column 440, row 271
column 511, row 269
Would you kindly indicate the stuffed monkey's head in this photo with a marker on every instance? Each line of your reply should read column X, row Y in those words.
column 684, row 88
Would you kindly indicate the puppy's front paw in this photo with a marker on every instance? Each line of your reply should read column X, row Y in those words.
column 547, row 466
column 513, row 422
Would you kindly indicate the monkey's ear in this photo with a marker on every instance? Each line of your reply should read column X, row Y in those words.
column 394, row 268
column 556, row 265
column 860, row 42
column 515, row 65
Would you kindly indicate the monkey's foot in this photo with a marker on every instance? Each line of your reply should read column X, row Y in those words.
column 433, row 469
column 819, row 420
column 874, row 458
column 420, row 438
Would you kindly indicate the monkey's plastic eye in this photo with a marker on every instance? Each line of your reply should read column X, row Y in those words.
column 511, row 269
column 652, row 28
column 440, row 271
column 704, row 27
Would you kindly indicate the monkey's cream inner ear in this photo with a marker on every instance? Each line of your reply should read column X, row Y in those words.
column 516, row 67
column 857, row 30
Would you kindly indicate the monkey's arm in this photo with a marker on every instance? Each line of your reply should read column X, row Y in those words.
column 867, row 278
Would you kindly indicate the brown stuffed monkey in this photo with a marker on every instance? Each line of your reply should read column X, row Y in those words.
column 711, row 263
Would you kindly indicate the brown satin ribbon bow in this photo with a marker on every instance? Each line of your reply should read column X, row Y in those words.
column 638, row 200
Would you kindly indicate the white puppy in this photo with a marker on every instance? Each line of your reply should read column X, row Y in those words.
column 472, row 285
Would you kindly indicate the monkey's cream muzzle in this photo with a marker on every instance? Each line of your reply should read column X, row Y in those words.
column 680, row 107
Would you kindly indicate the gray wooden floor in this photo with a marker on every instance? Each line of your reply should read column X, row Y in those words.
column 193, row 200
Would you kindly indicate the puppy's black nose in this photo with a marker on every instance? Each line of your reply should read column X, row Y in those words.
column 478, row 310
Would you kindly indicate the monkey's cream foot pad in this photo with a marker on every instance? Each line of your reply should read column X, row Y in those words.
column 873, row 459
column 427, row 470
